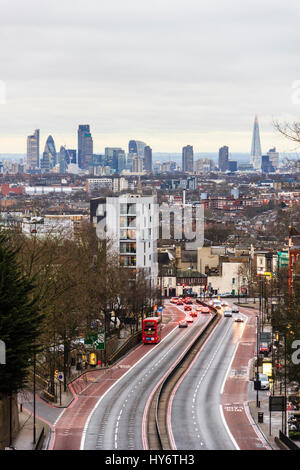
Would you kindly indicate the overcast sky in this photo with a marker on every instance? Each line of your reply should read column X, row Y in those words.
column 167, row 72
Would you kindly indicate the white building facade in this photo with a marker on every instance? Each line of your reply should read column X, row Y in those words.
column 132, row 227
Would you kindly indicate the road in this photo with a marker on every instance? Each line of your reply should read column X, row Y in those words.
column 208, row 403
column 117, row 420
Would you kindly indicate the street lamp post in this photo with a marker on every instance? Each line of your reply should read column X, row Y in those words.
column 257, row 352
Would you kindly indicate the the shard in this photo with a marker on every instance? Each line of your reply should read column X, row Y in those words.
column 255, row 156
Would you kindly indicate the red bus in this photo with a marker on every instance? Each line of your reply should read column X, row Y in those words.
column 151, row 330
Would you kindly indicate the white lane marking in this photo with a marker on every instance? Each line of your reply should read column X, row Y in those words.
column 233, row 356
column 227, row 428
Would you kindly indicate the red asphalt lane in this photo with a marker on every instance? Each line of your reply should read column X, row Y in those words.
column 68, row 429
column 234, row 397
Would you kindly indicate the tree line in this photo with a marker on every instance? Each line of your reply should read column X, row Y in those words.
column 55, row 291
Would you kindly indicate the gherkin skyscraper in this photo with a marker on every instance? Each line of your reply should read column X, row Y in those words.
column 255, row 157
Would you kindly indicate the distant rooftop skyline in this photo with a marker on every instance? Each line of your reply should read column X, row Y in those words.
column 168, row 73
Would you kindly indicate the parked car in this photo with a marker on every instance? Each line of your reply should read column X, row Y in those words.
column 264, row 382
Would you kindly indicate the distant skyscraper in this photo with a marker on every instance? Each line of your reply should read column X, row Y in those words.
column 188, row 158
column 33, row 150
column 223, row 158
column 137, row 164
column 72, row 156
column 85, row 146
column 273, row 157
column 148, row 158
column 255, row 157
column 63, row 160
column 266, row 165
column 49, row 158
column 135, row 148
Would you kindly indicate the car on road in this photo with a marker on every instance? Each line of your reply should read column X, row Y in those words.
column 264, row 382
column 174, row 300
column 205, row 310
column 183, row 324
column 235, row 309
column 187, row 300
column 224, row 304
column 189, row 320
column 198, row 309
column 218, row 305
column 187, row 308
column 193, row 314
column 179, row 302
column 226, row 294
column 227, row 312
column 238, row 318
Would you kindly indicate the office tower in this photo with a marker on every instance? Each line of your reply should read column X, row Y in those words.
column 137, row 164
column 274, row 157
column 188, row 158
column 119, row 160
column 49, row 158
column 266, row 165
column 204, row 165
column 148, row 159
column 232, row 165
column 223, row 158
column 63, row 160
column 85, row 146
column 72, row 156
column 115, row 158
column 132, row 227
column 33, row 150
column 255, row 156
column 135, row 148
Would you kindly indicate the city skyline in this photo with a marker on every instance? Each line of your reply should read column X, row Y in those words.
column 124, row 71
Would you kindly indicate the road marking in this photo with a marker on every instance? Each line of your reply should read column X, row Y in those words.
column 227, row 428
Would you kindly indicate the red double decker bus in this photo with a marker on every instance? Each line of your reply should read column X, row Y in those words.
column 151, row 330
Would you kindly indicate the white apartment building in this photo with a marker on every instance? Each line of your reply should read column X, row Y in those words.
column 132, row 226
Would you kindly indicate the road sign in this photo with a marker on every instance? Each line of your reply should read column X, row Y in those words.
column 60, row 376
column 100, row 341
column 277, row 403
column 95, row 341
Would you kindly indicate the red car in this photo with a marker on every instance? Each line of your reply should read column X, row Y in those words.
column 189, row 320
column 187, row 308
column 204, row 310
column 179, row 302
column 193, row 314
column 174, row 300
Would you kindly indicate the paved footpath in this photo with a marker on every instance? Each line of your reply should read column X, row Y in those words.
column 69, row 427
column 235, row 394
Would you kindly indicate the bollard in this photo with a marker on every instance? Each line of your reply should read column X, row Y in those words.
column 260, row 417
